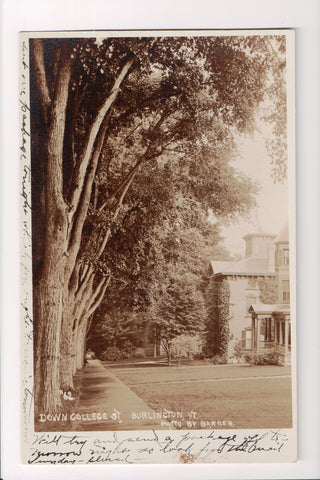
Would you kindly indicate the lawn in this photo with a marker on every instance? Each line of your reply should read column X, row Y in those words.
column 249, row 397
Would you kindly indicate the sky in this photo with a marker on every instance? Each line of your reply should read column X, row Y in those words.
column 271, row 212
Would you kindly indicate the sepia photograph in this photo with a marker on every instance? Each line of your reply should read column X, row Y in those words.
column 156, row 177
column 159, row 239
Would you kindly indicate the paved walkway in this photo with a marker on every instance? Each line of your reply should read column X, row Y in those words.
column 102, row 395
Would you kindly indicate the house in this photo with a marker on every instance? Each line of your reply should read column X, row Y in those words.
column 271, row 323
column 258, row 295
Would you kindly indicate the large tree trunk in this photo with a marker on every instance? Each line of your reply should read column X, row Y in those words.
column 66, row 350
column 49, row 292
column 54, row 301
column 79, row 348
column 48, row 318
column 49, row 295
column 67, row 333
column 82, row 346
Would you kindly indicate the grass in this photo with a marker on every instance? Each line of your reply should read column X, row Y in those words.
column 245, row 401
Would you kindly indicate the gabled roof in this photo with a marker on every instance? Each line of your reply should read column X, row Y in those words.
column 267, row 308
column 259, row 234
column 246, row 266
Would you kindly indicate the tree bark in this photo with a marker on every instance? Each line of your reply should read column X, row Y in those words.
column 87, row 151
column 40, row 76
column 66, row 350
column 72, row 270
column 49, row 292
column 54, row 304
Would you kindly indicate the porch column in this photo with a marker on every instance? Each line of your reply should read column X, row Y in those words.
column 280, row 333
column 258, row 333
column 270, row 330
column 286, row 336
column 253, row 332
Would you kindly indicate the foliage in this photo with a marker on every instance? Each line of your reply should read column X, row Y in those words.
column 117, row 329
column 139, row 353
column 277, row 119
column 262, row 358
column 112, row 354
column 176, row 302
column 237, row 351
column 132, row 137
column 217, row 327
column 268, row 291
column 186, row 346
column 179, row 311
column 219, row 359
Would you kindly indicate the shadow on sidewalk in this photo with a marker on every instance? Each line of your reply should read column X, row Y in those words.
column 106, row 403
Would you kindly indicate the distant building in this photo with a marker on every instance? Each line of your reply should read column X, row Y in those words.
column 262, row 275
column 271, row 323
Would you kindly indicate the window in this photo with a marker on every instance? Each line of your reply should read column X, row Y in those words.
column 285, row 290
column 246, row 339
column 283, row 256
column 251, row 282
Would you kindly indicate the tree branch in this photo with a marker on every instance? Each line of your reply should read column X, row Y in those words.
column 145, row 157
column 157, row 95
column 75, row 234
column 80, row 173
column 54, row 174
column 40, row 76
column 88, row 275
column 123, row 185
column 99, row 296
column 95, row 195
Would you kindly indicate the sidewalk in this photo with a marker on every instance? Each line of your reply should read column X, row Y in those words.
column 103, row 395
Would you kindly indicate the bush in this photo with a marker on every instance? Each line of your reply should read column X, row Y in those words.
column 186, row 346
column 139, row 353
column 219, row 360
column 262, row 358
column 199, row 356
column 237, row 353
column 127, row 349
column 112, row 354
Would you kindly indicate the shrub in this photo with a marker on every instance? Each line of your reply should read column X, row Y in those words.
column 186, row 346
column 200, row 356
column 237, row 353
column 139, row 353
column 127, row 349
column 219, row 360
column 262, row 358
column 111, row 354
column 114, row 353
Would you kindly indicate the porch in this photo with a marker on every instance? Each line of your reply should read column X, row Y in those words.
column 270, row 331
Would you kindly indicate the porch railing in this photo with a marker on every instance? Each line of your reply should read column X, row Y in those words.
column 281, row 348
column 266, row 345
